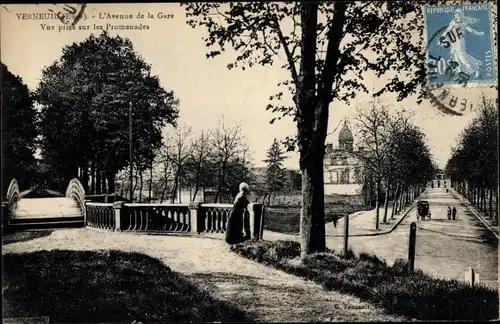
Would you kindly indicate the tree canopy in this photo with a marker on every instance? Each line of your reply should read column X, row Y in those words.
column 84, row 120
column 18, row 131
column 327, row 47
column 474, row 162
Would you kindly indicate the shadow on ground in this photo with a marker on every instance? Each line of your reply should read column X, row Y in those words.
column 9, row 238
column 105, row 286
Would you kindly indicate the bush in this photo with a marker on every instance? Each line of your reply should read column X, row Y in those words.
column 268, row 252
column 414, row 295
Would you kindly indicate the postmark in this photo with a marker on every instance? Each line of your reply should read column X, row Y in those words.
column 68, row 14
column 450, row 65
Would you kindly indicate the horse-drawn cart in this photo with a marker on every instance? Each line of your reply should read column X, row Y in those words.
column 423, row 210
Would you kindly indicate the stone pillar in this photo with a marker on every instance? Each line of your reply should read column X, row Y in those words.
column 256, row 212
column 195, row 216
column 117, row 206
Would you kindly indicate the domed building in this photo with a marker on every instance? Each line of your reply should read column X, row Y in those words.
column 343, row 168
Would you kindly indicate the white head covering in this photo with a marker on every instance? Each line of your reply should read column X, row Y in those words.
column 244, row 187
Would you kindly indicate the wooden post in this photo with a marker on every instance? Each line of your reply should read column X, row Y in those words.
column 471, row 277
column 346, row 233
column 411, row 248
column 194, row 215
column 256, row 214
column 117, row 206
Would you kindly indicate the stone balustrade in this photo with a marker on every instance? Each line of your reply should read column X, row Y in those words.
column 165, row 218
column 100, row 215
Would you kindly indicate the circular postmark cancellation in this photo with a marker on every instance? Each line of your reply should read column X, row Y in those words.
column 68, row 14
column 451, row 66
column 73, row 13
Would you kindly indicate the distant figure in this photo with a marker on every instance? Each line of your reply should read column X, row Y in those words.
column 335, row 220
column 449, row 212
column 454, row 212
column 234, row 232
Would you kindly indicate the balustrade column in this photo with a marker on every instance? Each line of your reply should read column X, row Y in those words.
column 195, row 216
column 117, row 206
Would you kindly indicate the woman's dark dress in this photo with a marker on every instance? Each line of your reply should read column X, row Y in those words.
column 234, row 232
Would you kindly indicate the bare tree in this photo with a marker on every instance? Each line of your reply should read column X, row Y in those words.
column 164, row 158
column 199, row 163
column 181, row 151
column 372, row 125
column 228, row 146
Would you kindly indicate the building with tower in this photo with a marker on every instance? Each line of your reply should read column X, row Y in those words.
column 344, row 171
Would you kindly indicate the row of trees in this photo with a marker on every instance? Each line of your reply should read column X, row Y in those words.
column 81, row 127
column 216, row 158
column 473, row 165
column 396, row 156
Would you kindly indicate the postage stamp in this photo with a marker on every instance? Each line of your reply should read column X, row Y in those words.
column 460, row 44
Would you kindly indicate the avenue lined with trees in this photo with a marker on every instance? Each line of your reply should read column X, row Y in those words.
column 396, row 156
column 473, row 165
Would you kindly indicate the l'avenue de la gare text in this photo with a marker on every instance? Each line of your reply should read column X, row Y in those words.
column 101, row 15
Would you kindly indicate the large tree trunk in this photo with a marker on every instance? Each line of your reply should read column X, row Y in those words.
column 386, row 202
column 312, row 216
column 312, row 99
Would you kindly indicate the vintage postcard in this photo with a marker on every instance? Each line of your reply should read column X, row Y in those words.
column 323, row 161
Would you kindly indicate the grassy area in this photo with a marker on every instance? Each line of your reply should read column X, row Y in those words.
column 412, row 295
column 286, row 219
column 8, row 238
column 104, row 286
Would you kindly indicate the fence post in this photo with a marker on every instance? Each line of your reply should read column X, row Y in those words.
column 194, row 215
column 117, row 206
column 411, row 248
column 256, row 220
column 346, row 233
column 472, row 277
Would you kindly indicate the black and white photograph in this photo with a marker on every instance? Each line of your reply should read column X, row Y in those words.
column 250, row 161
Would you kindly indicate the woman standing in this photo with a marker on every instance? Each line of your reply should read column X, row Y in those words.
column 234, row 232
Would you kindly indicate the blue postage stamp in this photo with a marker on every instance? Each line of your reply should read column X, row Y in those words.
column 460, row 44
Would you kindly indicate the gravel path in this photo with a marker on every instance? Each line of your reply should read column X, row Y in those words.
column 270, row 294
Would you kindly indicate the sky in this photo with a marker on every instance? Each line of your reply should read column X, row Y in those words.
column 206, row 88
